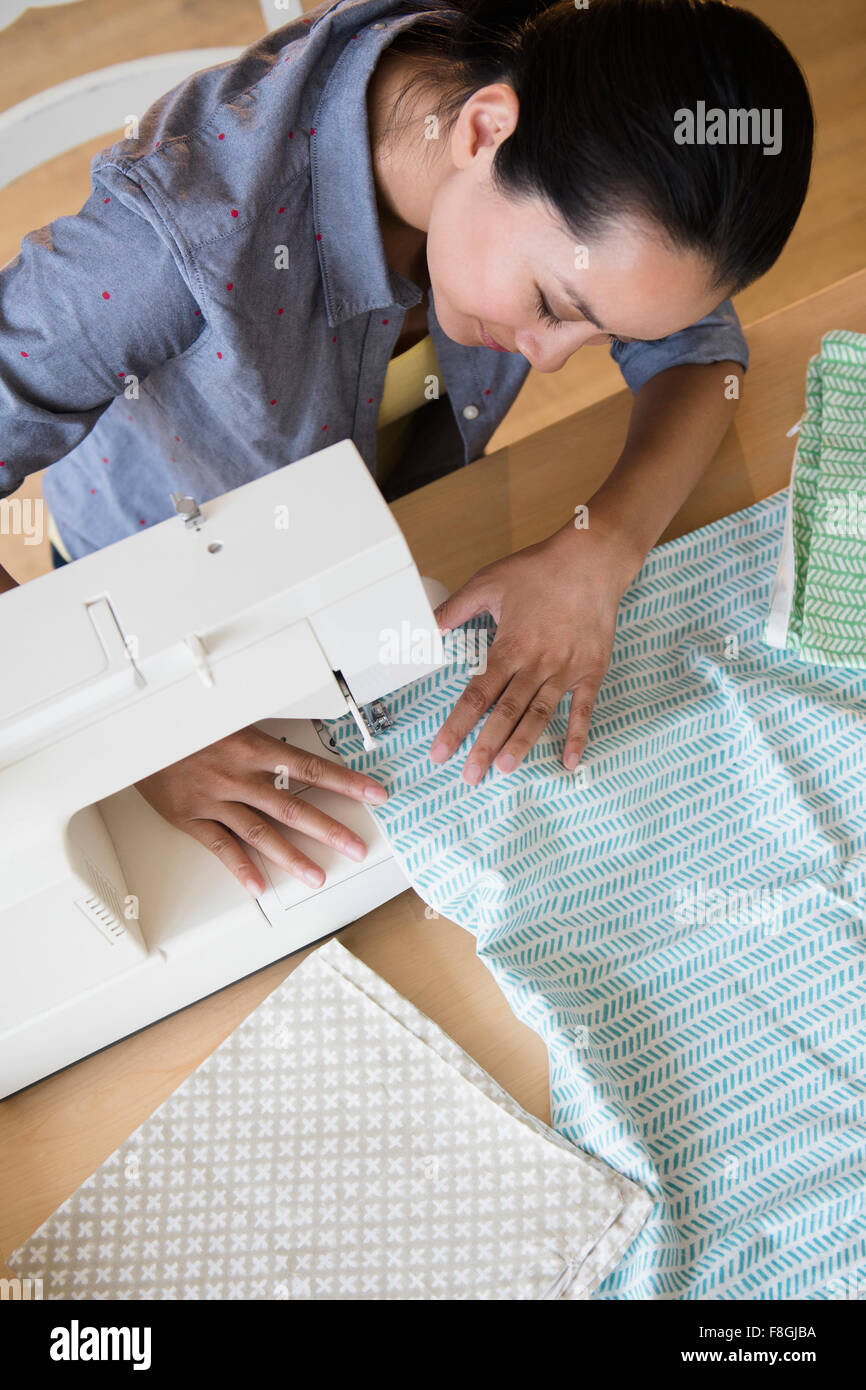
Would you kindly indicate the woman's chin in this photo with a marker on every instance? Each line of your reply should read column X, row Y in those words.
column 459, row 327
column 462, row 330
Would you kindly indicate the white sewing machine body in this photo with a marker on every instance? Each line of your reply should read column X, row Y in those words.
column 268, row 605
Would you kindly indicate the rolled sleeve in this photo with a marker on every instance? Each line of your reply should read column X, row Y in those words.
column 89, row 300
column 716, row 338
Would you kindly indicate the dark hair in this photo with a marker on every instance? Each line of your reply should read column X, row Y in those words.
column 599, row 88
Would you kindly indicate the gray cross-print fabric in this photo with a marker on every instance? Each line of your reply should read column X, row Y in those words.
column 338, row 1145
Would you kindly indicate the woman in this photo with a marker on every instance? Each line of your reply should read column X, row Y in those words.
column 554, row 174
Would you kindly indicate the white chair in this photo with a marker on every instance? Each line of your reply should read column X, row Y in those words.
column 100, row 102
column 11, row 9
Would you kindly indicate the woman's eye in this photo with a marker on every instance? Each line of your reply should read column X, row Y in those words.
column 545, row 314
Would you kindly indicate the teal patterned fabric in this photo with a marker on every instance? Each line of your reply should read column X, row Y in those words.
column 681, row 920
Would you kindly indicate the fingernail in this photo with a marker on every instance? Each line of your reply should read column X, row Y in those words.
column 570, row 761
column 377, row 794
column 506, row 762
column 473, row 772
column 355, row 848
column 439, row 751
column 252, row 887
column 314, row 877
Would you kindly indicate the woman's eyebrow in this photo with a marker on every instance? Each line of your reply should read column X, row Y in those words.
column 580, row 306
column 590, row 317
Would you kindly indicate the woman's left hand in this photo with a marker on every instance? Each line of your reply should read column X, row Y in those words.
column 555, row 607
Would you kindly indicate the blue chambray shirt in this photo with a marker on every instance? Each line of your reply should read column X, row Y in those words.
column 170, row 274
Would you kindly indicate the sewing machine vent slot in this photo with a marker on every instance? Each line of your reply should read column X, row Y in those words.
column 103, row 908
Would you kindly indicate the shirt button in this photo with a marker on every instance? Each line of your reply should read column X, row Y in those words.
column 470, row 412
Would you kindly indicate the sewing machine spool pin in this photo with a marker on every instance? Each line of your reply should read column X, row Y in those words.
column 188, row 508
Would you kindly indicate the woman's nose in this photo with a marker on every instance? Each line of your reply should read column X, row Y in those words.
column 548, row 351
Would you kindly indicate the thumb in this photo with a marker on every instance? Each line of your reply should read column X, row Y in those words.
column 460, row 606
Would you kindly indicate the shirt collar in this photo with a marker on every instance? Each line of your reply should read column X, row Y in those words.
column 356, row 277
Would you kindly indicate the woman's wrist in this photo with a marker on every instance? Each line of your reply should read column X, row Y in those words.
column 599, row 533
column 678, row 420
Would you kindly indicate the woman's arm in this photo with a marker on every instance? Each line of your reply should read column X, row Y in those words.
column 93, row 302
column 555, row 603
column 679, row 418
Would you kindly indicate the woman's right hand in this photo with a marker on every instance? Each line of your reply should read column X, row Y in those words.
column 223, row 795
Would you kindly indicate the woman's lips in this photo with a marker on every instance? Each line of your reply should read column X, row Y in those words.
column 488, row 341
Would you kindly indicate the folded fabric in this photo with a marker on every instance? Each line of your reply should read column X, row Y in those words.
column 818, row 604
column 338, row 1145
column 682, row 923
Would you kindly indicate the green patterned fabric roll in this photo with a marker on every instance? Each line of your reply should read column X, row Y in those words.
column 818, row 607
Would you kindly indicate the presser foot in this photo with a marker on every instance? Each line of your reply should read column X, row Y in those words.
column 372, row 719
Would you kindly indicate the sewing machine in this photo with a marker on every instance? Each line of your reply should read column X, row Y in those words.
column 276, row 604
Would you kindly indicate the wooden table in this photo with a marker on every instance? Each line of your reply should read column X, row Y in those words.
column 55, row 1133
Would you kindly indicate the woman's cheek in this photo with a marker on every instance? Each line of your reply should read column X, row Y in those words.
column 452, row 295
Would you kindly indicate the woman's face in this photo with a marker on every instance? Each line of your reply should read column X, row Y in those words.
column 492, row 261
column 491, row 258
